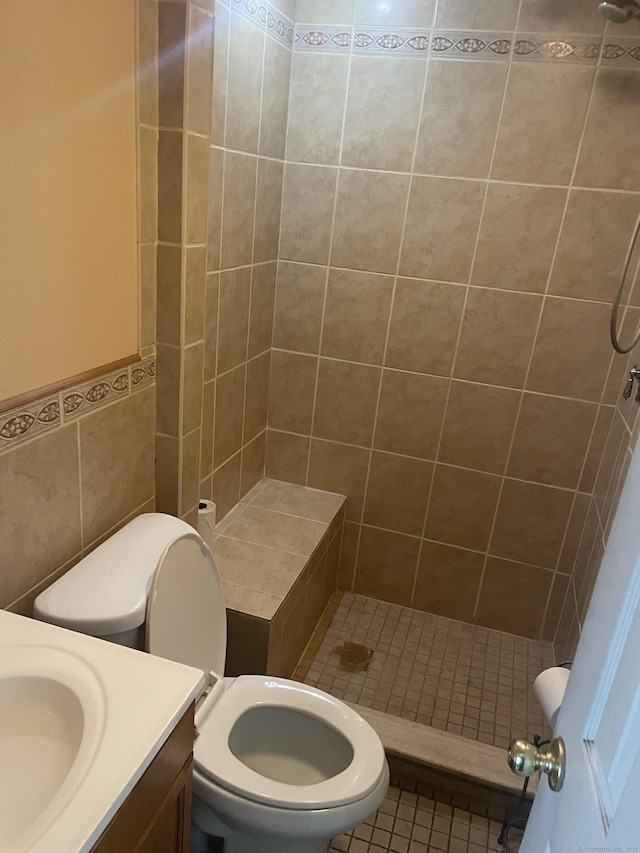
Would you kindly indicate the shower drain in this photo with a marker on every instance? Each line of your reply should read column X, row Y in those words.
column 353, row 657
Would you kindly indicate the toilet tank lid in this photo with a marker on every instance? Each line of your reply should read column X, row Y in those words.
column 106, row 592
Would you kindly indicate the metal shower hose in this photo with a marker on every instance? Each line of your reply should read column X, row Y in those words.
column 616, row 302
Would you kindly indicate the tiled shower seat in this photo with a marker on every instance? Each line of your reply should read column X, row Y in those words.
column 277, row 552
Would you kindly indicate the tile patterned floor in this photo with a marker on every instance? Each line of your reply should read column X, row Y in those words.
column 459, row 678
column 408, row 823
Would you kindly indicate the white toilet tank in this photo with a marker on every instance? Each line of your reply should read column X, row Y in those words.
column 105, row 594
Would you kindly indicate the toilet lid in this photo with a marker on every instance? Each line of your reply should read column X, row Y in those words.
column 186, row 614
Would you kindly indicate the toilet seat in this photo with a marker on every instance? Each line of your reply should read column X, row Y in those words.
column 213, row 756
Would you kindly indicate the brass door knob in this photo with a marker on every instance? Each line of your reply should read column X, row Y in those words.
column 525, row 760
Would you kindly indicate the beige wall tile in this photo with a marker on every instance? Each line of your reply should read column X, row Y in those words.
column 497, row 337
column 172, row 22
column 220, row 72
column 520, row 226
column 346, row 401
column 148, row 185
column 594, row 239
column 397, row 493
column 227, row 436
column 410, row 13
column 305, row 231
column 239, row 208
column 199, row 70
column 275, row 99
column 170, row 186
column 195, row 276
column 263, row 286
column 524, row 510
column 557, row 596
column 448, row 581
column 539, row 16
column 286, row 456
column 216, row 172
column 596, row 448
column 148, row 295
column 612, row 126
column 340, row 468
column 148, row 25
column 462, row 507
column 522, row 587
column 196, row 200
column 226, row 486
column 300, row 501
column 348, row 552
column 337, row 12
column 168, row 385
column 212, row 287
column 575, row 527
column 383, row 108
column 208, row 413
column 233, row 323
column 425, row 322
column 244, row 85
column 368, row 222
column 253, row 460
column 441, row 229
column 490, row 15
column 544, row 111
column 268, row 208
column 386, row 565
column 570, row 328
column 291, row 391
column 551, row 440
column 116, row 452
column 478, row 426
column 462, row 101
column 39, row 509
column 192, row 379
column 256, row 398
column 316, row 107
column 167, row 473
column 298, row 308
column 410, row 413
column 356, row 316
column 190, row 471
column 169, row 294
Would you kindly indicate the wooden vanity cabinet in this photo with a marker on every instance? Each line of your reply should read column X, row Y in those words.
column 156, row 816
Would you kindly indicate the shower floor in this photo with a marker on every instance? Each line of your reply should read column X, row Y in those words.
column 460, row 678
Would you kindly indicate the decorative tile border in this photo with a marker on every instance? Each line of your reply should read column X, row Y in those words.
column 381, row 41
column 25, row 422
column 456, row 45
column 540, row 48
column 621, row 52
column 266, row 17
column 323, row 39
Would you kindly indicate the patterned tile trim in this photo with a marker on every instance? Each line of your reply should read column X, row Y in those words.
column 622, row 53
column 265, row 16
column 25, row 422
column 456, row 45
column 549, row 48
column 449, row 44
column 19, row 424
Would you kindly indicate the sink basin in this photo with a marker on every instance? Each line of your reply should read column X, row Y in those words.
column 51, row 720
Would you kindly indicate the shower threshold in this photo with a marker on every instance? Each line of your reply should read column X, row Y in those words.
column 463, row 679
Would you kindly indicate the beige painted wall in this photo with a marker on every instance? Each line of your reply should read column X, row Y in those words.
column 68, row 236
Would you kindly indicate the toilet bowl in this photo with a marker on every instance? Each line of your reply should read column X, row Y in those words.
column 279, row 767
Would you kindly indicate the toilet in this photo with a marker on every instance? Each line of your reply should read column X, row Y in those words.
column 279, row 767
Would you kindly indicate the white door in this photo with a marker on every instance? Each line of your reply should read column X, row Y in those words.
column 598, row 808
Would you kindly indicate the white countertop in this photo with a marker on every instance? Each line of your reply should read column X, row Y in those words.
column 142, row 699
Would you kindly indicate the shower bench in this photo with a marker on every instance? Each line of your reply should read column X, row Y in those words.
column 277, row 552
